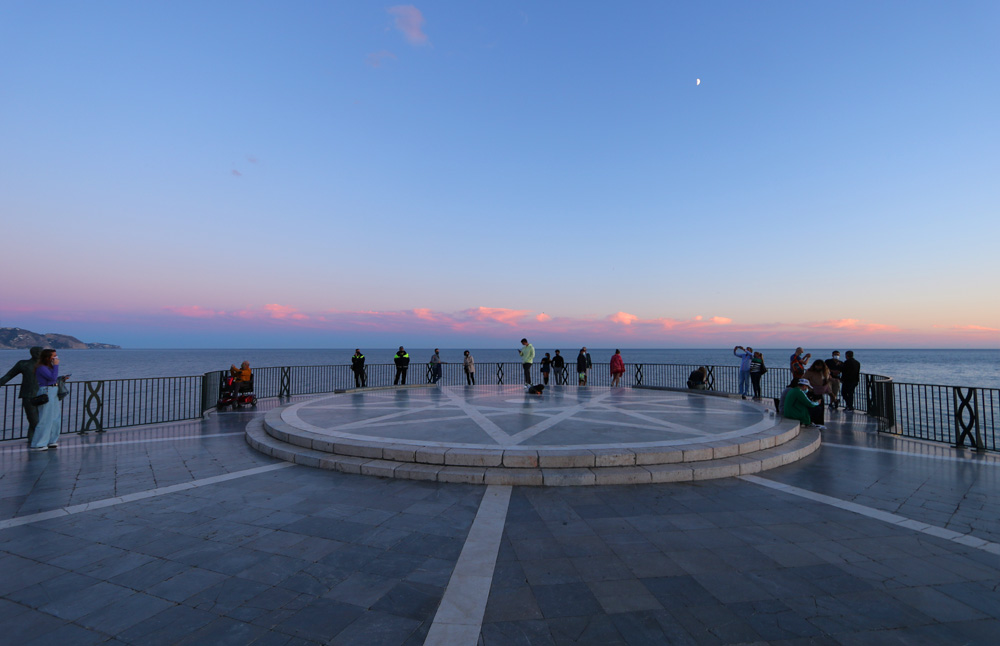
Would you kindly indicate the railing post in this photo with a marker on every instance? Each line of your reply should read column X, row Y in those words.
column 966, row 402
column 710, row 378
column 638, row 374
column 204, row 393
column 499, row 374
column 93, row 406
column 285, row 388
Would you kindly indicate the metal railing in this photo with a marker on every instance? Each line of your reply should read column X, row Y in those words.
column 949, row 414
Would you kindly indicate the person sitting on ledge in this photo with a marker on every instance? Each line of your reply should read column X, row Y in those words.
column 698, row 379
column 797, row 404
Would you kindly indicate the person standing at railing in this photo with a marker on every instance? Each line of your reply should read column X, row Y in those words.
column 850, row 377
column 590, row 364
column 402, row 361
column 835, row 366
column 527, row 353
column 546, row 364
column 746, row 357
column 797, row 363
column 469, row 365
column 29, row 386
column 435, row 366
column 559, row 366
column 757, row 370
column 49, row 412
column 617, row 368
column 358, row 367
column 581, row 367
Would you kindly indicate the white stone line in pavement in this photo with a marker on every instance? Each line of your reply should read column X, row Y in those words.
column 910, row 454
column 878, row 514
column 663, row 425
column 534, row 430
column 459, row 618
column 139, row 495
column 83, row 444
column 491, row 429
column 291, row 416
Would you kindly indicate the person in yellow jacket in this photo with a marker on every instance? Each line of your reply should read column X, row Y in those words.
column 527, row 353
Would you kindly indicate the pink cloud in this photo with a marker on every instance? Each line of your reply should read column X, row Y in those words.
column 376, row 59
column 854, row 325
column 498, row 314
column 967, row 328
column 623, row 318
column 543, row 317
column 236, row 173
column 410, row 22
column 424, row 314
column 284, row 312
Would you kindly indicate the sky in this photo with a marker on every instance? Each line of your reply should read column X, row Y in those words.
column 652, row 174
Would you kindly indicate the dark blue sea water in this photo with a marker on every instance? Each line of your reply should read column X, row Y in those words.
column 945, row 367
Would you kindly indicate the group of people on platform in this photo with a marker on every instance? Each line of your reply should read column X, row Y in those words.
column 803, row 398
column 42, row 390
column 549, row 365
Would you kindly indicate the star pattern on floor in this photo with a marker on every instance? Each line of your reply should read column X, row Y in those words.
column 488, row 409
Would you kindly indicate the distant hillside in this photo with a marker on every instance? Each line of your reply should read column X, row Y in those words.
column 14, row 338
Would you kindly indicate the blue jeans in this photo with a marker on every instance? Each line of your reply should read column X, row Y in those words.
column 744, row 382
column 49, row 419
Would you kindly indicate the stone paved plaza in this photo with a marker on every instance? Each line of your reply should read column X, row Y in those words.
column 183, row 534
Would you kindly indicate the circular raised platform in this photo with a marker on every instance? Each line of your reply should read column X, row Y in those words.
column 503, row 435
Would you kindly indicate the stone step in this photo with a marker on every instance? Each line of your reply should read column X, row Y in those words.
column 797, row 447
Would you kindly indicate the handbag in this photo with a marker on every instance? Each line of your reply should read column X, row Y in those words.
column 39, row 400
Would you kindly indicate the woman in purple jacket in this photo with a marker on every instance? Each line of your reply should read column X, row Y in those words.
column 49, row 414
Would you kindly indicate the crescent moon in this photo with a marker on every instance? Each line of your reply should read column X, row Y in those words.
column 697, row 82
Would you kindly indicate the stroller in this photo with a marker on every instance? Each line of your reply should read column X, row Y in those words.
column 235, row 393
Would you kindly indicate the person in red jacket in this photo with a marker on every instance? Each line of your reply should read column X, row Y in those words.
column 617, row 368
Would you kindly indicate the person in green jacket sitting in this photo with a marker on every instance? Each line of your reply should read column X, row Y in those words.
column 797, row 405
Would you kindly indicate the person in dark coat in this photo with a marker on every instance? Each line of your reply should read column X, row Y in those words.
column 850, row 377
column 559, row 366
column 358, row 367
column 402, row 361
column 582, row 363
column 29, row 386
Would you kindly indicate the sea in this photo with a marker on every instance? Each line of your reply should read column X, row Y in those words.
column 980, row 368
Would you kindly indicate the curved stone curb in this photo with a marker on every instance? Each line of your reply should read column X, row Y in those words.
column 799, row 446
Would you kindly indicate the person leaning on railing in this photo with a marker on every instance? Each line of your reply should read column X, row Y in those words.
column 29, row 386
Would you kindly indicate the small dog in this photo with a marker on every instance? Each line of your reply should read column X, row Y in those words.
column 536, row 389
